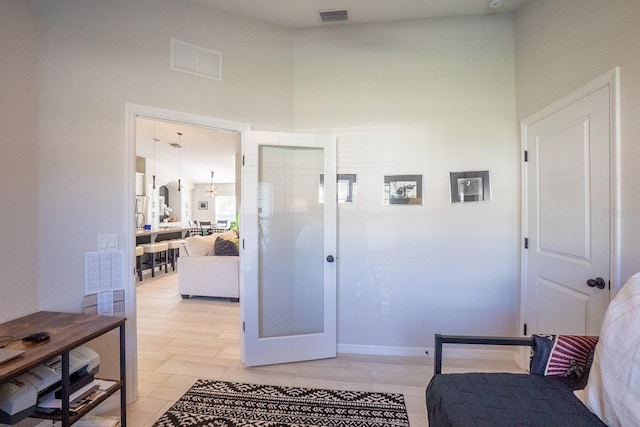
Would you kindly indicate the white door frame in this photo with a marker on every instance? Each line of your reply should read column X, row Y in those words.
column 132, row 112
column 611, row 79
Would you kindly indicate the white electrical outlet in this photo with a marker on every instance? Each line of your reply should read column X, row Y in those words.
column 386, row 309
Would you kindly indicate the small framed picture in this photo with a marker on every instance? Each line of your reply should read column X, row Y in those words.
column 403, row 189
column 346, row 188
column 472, row 186
column 203, row 205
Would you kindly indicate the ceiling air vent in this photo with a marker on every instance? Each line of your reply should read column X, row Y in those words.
column 333, row 15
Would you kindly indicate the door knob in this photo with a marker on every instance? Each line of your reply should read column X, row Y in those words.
column 330, row 258
column 598, row 282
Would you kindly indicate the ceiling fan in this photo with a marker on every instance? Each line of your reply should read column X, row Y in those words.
column 211, row 190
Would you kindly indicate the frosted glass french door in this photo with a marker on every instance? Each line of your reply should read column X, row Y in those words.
column 288, row 293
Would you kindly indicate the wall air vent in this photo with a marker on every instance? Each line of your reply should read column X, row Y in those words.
column 195, row 60
column 340, row 15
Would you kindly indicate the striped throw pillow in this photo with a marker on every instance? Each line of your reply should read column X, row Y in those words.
column 563, row 355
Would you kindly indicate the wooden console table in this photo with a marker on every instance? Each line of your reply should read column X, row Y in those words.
column 67, row 332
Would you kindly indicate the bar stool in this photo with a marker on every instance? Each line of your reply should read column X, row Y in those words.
column 139, row 253
column 174, row 251
column 159, row 248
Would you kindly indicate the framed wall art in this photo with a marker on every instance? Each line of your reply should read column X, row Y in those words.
column 346, row 188
column 472, row 186
column 403, row 189
column 203, row 205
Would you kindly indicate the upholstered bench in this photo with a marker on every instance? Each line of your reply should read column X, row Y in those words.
column 545, row 397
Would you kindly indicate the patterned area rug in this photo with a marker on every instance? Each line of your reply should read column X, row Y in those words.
column 217, row 403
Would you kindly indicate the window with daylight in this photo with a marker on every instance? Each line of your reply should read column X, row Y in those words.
column 226, row 208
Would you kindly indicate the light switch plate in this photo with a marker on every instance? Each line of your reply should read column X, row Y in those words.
column 107, row 242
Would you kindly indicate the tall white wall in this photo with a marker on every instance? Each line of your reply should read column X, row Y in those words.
column 426, row 97
column 563, row 45
column 96, row 57
column 19, row 235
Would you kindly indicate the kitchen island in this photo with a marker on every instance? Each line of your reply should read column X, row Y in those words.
column 163, row 233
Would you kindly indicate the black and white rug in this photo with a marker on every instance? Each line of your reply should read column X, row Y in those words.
column 228, row 404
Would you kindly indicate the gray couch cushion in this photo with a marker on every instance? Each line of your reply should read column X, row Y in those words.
column 224, row 247
column 502, row 399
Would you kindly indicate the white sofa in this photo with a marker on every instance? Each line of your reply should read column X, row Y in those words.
column 202, row 273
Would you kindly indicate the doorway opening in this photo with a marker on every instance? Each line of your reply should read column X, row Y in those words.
column 137, row 118
column 205, row 162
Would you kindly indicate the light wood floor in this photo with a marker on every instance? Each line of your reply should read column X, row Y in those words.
column 180, row 341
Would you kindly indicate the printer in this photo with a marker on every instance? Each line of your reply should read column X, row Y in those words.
column 19, row 396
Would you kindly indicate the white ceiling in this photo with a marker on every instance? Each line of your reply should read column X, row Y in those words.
column 205, row 150
column 304, row 13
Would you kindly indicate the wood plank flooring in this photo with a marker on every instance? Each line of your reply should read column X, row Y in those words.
column 180, row 341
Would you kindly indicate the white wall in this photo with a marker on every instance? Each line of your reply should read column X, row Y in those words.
column 425, row 97
column 200, row 194
column 19, row 234
column 96, row 57
column 563, row 45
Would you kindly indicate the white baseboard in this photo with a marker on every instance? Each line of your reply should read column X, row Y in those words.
column 454, row 353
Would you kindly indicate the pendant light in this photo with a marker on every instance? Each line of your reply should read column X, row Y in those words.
column 155, row 141
column 211, row 191
column 179, row 150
